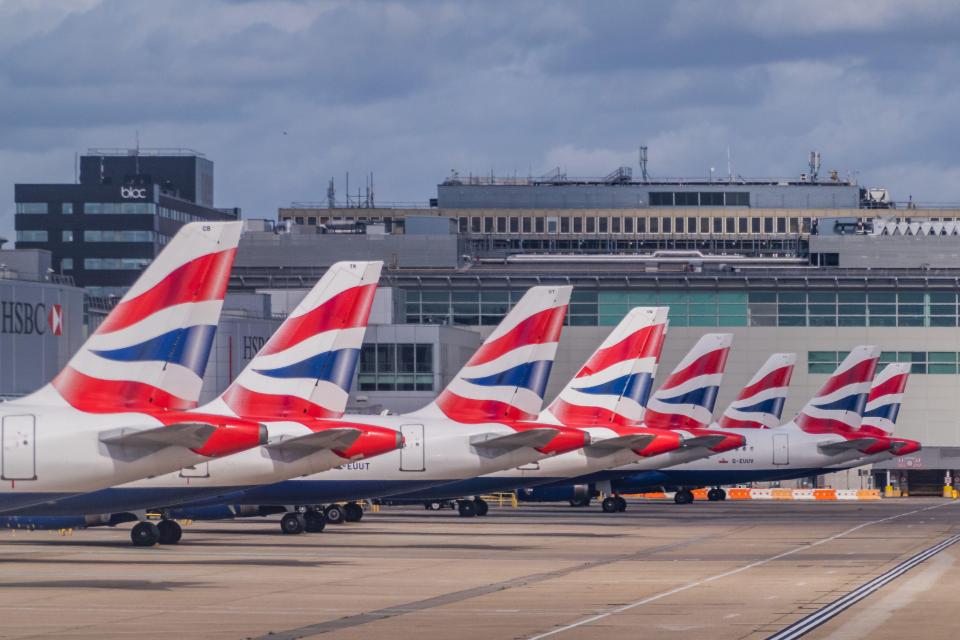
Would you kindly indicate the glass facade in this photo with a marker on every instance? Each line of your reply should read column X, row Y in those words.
column 395, row 367
column 921, row 362
column 32, row 207
column 119, row 236
column 27, row 235
column 148, row 208
column 704, row 308
column 115, row 264
column 650, row 223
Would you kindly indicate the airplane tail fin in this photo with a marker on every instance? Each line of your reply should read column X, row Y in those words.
column 760, row 403
column 687, row 397
column 151, row 351
column 883, row 403
column 838, row 406
column 507, row 376
column 306, row 368
column 614, row 385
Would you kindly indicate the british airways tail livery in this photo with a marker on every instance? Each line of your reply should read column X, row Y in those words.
column 838, row 406
column 306, row 368
column 613, row 387
column 507, row 376
column 760, row 403
column 150, row 353
column 886, row 394
column 687, row 397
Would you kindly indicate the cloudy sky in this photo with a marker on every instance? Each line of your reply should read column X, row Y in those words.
column 284, row 95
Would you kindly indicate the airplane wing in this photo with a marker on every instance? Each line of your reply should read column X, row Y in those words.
column 292, row 448
column 495, row 444
column 607, row 446
column 706, row 442
column 845, row 445
column 192, row 435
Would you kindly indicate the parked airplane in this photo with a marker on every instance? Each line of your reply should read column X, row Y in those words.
column 117, row 410
column 607, row 398
column 299, row 378
column 823, row 433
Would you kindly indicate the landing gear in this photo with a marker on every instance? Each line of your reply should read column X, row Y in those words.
column 481, row 506
column 353, row 512
column 169, row 532
column 579, row 502
column 293, row 523
column 145, row 534
column 613, row 504
column 467, row 508
column 716, row 495
column 314, row 521
column 683, row 496
column 335, row 514
column 433, row 505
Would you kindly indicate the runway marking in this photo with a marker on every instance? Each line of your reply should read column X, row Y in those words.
column 458, row 596
column 808, row 623
column 725, row 574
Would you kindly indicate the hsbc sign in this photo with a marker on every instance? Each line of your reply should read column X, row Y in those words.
column 133, row 193
column 26, row 318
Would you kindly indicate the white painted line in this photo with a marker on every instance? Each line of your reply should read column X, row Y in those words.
column 725, row 574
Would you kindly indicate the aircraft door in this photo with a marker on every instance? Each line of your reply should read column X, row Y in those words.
column 412, row 454
column 19, row 448
column 199, row 470
column 781, row 448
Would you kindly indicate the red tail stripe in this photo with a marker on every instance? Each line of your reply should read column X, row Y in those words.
column 346, row 310
column 821, row 425
column 644, row 343
column 201, row 279
column 874, row 431
column 574, row 415
column 94, row 395
column 540, row 328
column 254, row 405
column 732, row 423
column 894, row 385
column 659, row 420
column 858, row 373
column 708, row 363
column 467, row 410
column 777, row 378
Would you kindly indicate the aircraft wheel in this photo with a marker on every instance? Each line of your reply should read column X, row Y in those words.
column 433, row 506
column 609, row 505
column 716, row 495
column 722, row 493
column 621, row 504
column 683, row 496
column 579, row 502
column 467, row 508
column 353, row 512
column 482, row 506
column 335, row 514
column 145, row 534
column 293, row 523
column 314, row 521
column 169, row 532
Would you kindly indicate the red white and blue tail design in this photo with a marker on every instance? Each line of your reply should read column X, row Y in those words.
column 687, row 398
column 150, row 353
column 306, row 368
column 760, row 403
column 838, row 406
column 614, row 385
column 883, row 403
column 507, row 377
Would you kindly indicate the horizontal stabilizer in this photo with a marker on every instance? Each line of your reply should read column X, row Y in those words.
column 192, row 435
column 846, row 445
column 707, row 442
column 298, row 447
column 494, row 444
column 606, row 447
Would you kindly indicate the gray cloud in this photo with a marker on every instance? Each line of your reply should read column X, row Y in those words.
column 413, row 90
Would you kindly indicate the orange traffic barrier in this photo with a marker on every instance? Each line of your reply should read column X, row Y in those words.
column 700, row 494
column 738, row 494
column 782, row 494
column 868, row 494
column 824, row 494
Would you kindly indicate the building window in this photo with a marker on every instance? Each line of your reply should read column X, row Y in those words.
column 395, row 367
column 731, row 225
column 488, row 225
column 149, row 208
column 661, row 198
column 552, row 222
column 578, row 225
column 641, row 225
column 514, row 224
column 66, row 208
column 711, row 199
column 297, row 220
column 66, row 235
column 691, row 225
column 781, row 225
column 686, row 198
column 115, row 264
column 475, row 224
column 628, row 224
column 615, row 224
column 527, row 225
column 678, row 225
column 768, row 225
column 312, row 220
column 603, row 224
column 591, row 224
column 718, row 225
column 501, row 225
column 66, row 264
column 742, row 224
column 921, row 362
column 705, row 226
column 667, row 224
column 565, row 225
column 654, row 225
column 31, row 207
column 737, row 198
column 118, row 236
column 755, row 225
column 31, row 236
column 538, row 224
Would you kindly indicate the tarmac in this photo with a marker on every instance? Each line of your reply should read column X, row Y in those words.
column 706, row 570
